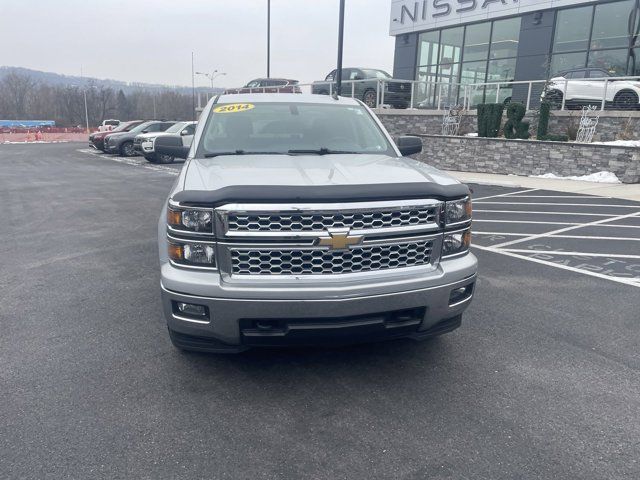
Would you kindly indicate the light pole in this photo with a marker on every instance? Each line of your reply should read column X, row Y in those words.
column 268, row 38
column 211, row 76
column 340, row 45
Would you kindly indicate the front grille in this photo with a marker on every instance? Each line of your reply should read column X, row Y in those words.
column 313, row 222
column 305, row 261
column 399, row 87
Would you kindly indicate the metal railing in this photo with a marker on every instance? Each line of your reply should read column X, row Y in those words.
column 616, row 93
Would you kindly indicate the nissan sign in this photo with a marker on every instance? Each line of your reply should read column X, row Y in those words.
column 411, row 15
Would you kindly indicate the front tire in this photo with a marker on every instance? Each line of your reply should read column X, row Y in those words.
column 626, row 100
column 164, row 159
column 554, row 97
column 370, row 98
column 127, row 150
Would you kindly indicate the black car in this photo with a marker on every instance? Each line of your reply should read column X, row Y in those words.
column 363, row 83
column 122, row 143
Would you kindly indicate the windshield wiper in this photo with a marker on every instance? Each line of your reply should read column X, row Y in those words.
column 322, row 151
column 239, row 152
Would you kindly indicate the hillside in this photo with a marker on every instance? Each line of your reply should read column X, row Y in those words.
column 56, row 79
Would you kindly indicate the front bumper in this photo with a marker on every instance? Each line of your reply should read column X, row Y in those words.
column 239, row 318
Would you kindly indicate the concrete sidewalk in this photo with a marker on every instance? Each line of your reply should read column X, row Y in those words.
column 625, row 191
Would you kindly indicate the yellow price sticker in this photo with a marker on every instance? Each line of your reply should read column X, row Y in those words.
column 234, row 108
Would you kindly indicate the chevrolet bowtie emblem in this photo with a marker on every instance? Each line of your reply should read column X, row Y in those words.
column 339, row 239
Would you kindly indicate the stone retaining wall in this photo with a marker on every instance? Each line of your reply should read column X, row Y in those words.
column 612, row 125
column 525, row 157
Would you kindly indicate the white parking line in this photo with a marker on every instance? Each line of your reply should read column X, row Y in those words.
column 506, row 194
column 634, row 281
column 575, row 254
column 547, row 213
column 559, row 204
column 133, row 162
column 578, row 237
column 567, row 229
column 584, row 197
column 475, row 220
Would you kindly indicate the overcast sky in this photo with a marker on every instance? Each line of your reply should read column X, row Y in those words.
column 151, row 40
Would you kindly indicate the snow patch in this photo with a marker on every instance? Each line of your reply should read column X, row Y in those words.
column 620, row 143
column 598, row 177
column 470, row 134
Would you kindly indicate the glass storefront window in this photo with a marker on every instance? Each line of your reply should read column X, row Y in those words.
column 501, row 70
column 505, row 38
column 451, row 45
column 610, row 25
column 567, row 61
column 572, row 29
column 476, row 42
column 612, row 61
column 473, row 72
column 428, row 45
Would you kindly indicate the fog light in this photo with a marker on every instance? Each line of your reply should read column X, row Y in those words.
column 459, row 295
column 192, row 309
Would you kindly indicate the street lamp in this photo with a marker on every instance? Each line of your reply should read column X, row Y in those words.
column 211, row 76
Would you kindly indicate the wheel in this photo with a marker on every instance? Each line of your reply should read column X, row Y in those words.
column 370, row 98
column 161, row 158
column 554, row 97
column 626, row 100
column 127, row 150
column 506, row 101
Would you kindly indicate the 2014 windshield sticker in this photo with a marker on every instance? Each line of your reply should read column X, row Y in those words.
column 234, row 108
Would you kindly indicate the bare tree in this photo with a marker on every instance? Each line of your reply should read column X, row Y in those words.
column 16, row 89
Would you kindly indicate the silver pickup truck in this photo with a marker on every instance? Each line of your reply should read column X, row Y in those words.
column 297, row 220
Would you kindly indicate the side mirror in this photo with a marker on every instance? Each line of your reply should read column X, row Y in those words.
column 409, row 145
column 184, row 132
column 145, row 131
column 358, row 77
column 171, row 146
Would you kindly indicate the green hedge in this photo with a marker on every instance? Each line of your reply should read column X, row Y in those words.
column 543, row 125
column 515, row 127
column 489, row 119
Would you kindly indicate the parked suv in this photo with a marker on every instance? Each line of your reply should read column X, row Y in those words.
column 297, row 220
column 585, row 86
column 363, row 83
column 144, row 143
column 267, row 85
column 96, row 140
column 122, row 142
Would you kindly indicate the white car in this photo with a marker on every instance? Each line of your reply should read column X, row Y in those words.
column 108, row 125
column 585, row 86
column 144, row 143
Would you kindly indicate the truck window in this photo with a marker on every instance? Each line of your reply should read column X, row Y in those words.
column 280, row 127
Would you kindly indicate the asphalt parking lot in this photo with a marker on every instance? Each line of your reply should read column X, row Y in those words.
column 541, row 381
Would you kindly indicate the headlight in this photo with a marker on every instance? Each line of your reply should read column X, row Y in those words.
column 195, row 254
column 192, row 220
column 458, row 211
column 456, row 243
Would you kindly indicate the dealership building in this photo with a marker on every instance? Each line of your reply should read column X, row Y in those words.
column 460, row 42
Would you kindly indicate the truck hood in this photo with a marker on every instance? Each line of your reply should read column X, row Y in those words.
column 308, row 170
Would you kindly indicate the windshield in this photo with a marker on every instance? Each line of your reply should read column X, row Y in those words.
column 176, row 127
column 140, row 127
column 124, row 127
column 291, row 127
column 368, row 73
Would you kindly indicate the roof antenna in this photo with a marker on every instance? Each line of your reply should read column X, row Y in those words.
column 338, row 89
